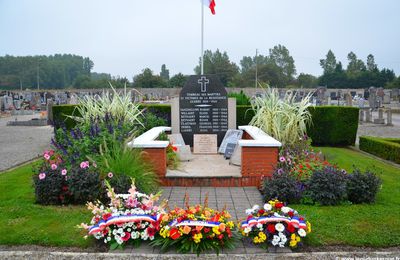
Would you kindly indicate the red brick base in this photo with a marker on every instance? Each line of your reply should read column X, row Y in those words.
column 158, row 158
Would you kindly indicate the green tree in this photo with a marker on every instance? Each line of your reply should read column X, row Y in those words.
column 371, row 65
column 280, row 56
column 218, row 63
column 355, row 66
column 164, row 74
column 394, row 83
column 177, row 81
column 148, row 80
column 307, row 81
column 328, row 64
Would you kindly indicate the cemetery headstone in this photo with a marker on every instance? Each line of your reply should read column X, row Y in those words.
column 205, row 143
column 372, row 98
column 389, row 117
column 203, row 108
column 380, row 119
column 231, row 136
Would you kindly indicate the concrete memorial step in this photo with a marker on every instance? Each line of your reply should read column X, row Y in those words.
column 184, row 152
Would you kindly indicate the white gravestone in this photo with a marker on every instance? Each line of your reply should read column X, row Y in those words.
column 205, row 143
column 231, row 136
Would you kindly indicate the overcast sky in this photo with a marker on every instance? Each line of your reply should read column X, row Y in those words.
column 124, row 36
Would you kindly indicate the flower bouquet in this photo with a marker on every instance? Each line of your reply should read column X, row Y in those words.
column 196, row 229
column 129, row 218
column 275, row 224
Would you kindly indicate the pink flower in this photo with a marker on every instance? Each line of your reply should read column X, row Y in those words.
column 54, row 166
column 110, row 175
column 131, row 203
column 46, row 156
column 84, row 165
column 42, row 176
column 282, row 159
column 64, row 172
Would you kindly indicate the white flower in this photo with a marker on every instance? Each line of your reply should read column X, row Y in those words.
column 281, row 244
column 276, row 239
column 129, row 230
column 108, row 238
column 279, row 227
column 267, row 206
column 259, row 225
column 302, row 232
column 249, row 211
column 247, row 230
column 274, row 243
column 285, row 210
column 256, row 208
column 120, row 230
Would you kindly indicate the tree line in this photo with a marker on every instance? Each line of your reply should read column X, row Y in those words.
column 276, row 69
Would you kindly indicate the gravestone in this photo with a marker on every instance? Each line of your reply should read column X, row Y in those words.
column 380, row 119
column 205, row 143
column 320, row 93
column 372, row 98
column 349, row 99
column 231, row 136
column 203, row 108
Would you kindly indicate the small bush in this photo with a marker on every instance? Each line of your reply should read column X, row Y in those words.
column 386, row 148
column 362, row 187
column 241, row 98
column 282, row 186
column 150, row 120
column 327, row 187
column 121, row 183
column 52, row 189
column 84, row 185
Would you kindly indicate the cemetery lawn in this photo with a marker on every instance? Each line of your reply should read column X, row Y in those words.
column 23, row 222
column 375, row 225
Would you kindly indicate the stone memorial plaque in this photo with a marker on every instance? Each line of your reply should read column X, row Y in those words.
column 204, row 143
column 231, row 136
column 230, row 147
column 203, row 108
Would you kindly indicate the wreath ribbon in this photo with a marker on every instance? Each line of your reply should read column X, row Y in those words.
column 296, row 222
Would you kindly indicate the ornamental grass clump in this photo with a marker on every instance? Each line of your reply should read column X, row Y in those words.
column 284, row 119
column 275, row 225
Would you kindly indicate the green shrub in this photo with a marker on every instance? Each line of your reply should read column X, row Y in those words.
column 150, row 120
column 333, row 125
column 241, row 98
column 244, row 114
column 282, row 186
column 162, row 111
column 327, row 187
column 84, row 184
column 386, row 148
column 362, row 187
column 61, row 117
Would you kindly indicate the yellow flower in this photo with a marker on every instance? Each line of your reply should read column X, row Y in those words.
column 256, row 240
column 244, row 233
column 227, row 215
column 216, row 230
column 293, row 243
column 230, row 224
column 272, row 203
column 298, row 238
column 293, row 237
column 197, row 238
column 308, row 227
column 262, row 236
column 191, row 216
column 221, row 219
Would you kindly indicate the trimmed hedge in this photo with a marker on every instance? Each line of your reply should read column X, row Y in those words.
column 333, row 125
column 385, row 148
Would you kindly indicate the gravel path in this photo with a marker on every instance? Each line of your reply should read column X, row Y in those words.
column 19, row 144
column 380, row 130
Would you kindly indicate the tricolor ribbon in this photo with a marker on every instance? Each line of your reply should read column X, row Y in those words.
column 117, row 220
column 193, row 223
column 295, row 221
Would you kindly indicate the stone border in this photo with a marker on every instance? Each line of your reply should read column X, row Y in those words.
column 147, row 139
column 260, row 138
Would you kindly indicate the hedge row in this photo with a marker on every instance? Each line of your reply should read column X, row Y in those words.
column 385, row 148
column 331, row 125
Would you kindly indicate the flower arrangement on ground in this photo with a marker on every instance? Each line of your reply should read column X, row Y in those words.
column 275, row 224
column 196, row 229
column 129, row 218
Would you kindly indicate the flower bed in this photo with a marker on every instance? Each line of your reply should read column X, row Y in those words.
column 196, row 229
column 276, row 225
column 129, row 218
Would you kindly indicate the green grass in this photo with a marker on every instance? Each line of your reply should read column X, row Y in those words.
column 22, row 222
column 374, row 225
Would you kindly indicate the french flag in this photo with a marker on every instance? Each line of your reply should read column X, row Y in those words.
column 210, row 4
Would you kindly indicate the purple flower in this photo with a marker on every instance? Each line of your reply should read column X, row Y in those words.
column 42, row 176
column 282, row 159
column 343, row 171
column 280, row 171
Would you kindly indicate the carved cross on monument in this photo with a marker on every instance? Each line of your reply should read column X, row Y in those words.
column 203, row 81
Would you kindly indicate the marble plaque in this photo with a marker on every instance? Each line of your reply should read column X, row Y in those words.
column 231, row 136
column 204, row 143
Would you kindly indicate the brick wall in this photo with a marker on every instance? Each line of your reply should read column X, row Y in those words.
column 158, row 158
column 259, row 161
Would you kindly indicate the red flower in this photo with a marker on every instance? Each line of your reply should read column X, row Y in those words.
column 174, row 234
column 271, row 228
column 278, row 205
column 261, row 211
column 126, row 237
column 174, row 148
column 291, row 228
column 206, row 230
column 291, row 214
column 151, row 232
column 229, row 232
column 221, row 236
column 301, row 218
column 106, row 216
column 64, row 188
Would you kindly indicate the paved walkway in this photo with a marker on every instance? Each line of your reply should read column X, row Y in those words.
column 19, row 144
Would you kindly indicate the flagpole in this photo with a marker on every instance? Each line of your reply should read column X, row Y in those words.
column 202, row 38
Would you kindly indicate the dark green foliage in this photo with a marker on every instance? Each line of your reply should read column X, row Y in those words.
column 53, row 189
column 150, row 121
column 282, row 186
column 333, row 126
column 241, row 98
column 327, row 187
column 244, row 114
column 84, row 184
column 159, row 110
column 386, row 148
column 362, row 187
column 121, row 183
column 60, row 116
